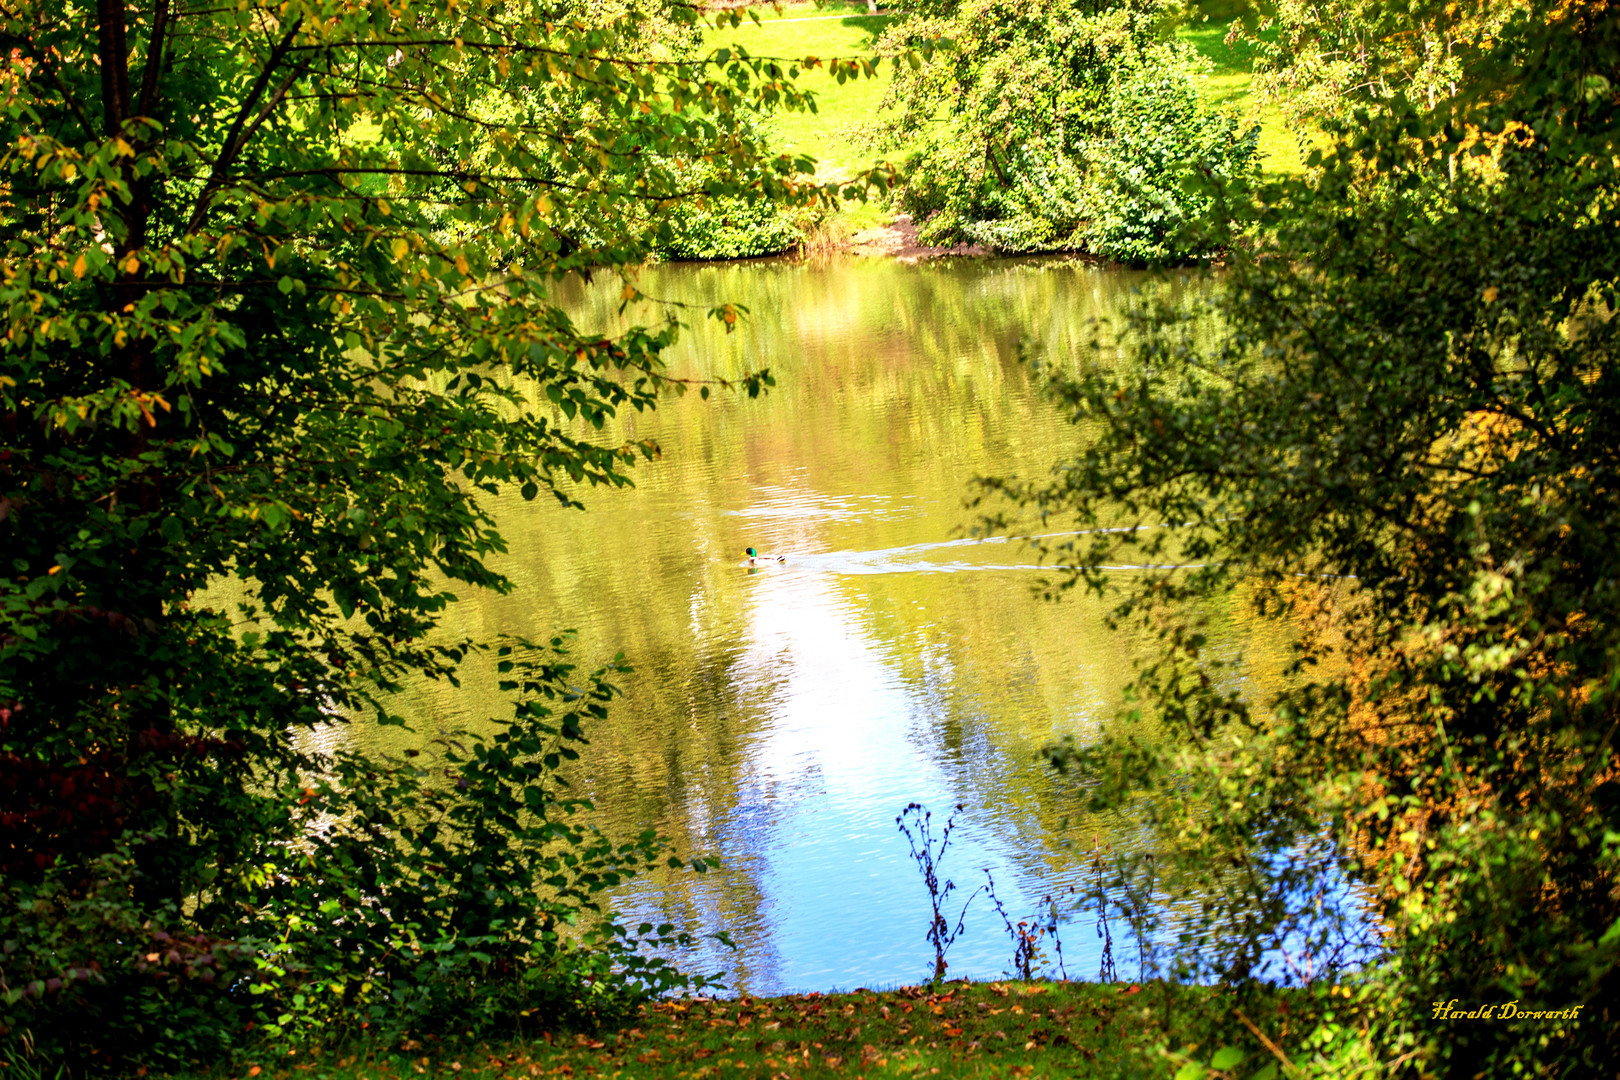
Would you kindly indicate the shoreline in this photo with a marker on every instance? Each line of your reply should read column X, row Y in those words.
column 897, row 239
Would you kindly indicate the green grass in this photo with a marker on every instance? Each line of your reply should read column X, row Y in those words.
column 799, row 31
column 976, row 1030
column 1228, row 85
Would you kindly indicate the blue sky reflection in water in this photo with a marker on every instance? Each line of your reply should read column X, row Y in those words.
column 781, row 717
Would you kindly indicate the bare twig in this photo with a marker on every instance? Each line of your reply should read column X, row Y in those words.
column 1276, row 1051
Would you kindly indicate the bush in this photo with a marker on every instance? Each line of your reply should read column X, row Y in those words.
column 91, row 980
column 246, row 345
column 1389, row 433
column 1072, row 127
column 731, row 227
column 1150, row 196
column 456, row 890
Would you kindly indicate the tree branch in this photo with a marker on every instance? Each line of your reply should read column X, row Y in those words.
column 237, row 137
column 154, row 58
column 114, row 51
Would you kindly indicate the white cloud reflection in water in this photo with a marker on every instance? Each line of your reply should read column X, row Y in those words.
column 781, row 717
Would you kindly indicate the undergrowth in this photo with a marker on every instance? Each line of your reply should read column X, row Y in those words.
column 1011, row 1029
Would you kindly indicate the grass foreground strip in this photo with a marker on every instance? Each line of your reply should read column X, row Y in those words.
column 1000, row 1029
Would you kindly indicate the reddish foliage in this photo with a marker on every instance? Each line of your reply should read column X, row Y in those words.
column 80, row 807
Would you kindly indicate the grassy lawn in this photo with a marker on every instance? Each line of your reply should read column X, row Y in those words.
column 1227, row 84
column 978, row 1030
column 828, row 134
column 831, row 30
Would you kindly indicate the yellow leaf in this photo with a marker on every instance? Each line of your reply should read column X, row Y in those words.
column 401, row 248
column 132, row 265
column 461, row 264
column 79, row 266
column 1489, row 295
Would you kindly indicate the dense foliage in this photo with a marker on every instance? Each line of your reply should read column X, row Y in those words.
column 730, row 226
column 276, row 281
column 1393, row 434
column 1065, row 125
column 1314, row 57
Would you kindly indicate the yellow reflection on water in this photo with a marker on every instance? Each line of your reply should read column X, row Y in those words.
column 782, row 716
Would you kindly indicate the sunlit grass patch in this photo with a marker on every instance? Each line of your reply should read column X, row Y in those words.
column 801, row 31
column 1229, row 84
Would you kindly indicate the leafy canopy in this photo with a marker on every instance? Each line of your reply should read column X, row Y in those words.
column 277, row 284
column 1391, row 431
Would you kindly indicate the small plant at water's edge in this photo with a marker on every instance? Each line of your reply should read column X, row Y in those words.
column 941, row 934
column 1029, row 959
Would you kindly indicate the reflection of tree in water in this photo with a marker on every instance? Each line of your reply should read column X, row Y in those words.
column 894, row 386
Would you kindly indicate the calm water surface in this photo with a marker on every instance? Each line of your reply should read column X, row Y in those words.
column 781, row 718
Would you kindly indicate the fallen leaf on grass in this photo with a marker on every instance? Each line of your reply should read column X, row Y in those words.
column 1132, row 989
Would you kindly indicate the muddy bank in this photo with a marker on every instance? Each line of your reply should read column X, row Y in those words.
column 898, row 239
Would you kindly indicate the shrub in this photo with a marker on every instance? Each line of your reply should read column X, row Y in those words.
column 1150, row 196
column 278, row 289
column 1070, row 127
column 455, row 890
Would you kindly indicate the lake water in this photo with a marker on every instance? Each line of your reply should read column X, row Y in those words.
column 781, row 718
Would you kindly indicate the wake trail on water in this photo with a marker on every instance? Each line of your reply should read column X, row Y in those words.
column 922, row 558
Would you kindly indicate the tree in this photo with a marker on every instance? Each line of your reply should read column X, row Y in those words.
column 1391, row 430
column 1066, row 126
column 277, row 284
column 1321, row 59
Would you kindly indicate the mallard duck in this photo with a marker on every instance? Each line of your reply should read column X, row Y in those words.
column 756, row 559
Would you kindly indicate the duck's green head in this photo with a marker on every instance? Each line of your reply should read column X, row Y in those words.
column 752, row 554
